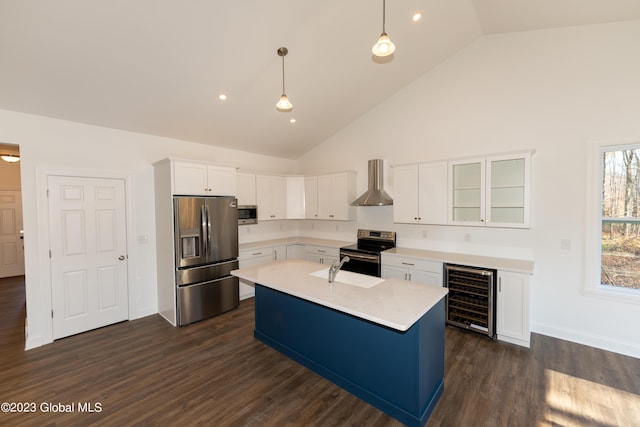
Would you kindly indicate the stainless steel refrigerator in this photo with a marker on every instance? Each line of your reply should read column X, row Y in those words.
column 206, row 248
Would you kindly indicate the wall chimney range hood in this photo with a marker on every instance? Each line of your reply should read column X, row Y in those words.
column 375, row 195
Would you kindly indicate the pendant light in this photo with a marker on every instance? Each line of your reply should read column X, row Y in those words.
column 283, row 104
column 11, row 158
column 384, row 46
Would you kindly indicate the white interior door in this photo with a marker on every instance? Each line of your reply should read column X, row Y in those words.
column 11, row 246
column 87, row 227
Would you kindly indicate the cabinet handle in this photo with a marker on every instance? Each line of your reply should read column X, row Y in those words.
column 407, row 263
column 322, row 251
column 405, row 276
column 409, row 279
column 257, row 253
column 499, row 284
column 330, row 216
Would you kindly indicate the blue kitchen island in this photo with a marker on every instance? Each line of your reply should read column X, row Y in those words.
column 382, row 342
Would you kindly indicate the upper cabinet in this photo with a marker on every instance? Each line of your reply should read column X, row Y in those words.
column 420, row 193
column 246, row 186
column 311, row 197
column 191, row 178
column 335, row 192
column 295, row 197
column 492, row 191
column 271, row 196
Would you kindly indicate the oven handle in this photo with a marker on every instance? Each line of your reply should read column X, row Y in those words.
column 360, row 257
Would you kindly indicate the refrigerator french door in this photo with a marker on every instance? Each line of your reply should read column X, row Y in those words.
column 206, row 248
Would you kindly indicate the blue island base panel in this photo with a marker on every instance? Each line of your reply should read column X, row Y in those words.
column 400, row 373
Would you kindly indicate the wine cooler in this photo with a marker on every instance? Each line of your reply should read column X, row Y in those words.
column 471, row 300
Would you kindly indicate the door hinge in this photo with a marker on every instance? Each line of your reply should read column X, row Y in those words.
column 52, row 314
column 49, row 253
column 47, row 193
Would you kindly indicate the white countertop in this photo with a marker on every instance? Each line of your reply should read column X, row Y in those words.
column 505, row 264
column 295, row 240
column 395, row 303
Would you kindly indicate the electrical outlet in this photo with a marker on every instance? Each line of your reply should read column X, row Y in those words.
column 424, row 234
column 565, row 244
column 313, row 226
column 467, row 237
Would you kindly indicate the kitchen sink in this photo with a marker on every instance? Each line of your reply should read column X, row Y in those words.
column 349, row 278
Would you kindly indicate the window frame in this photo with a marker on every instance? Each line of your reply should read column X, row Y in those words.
column 593, row 233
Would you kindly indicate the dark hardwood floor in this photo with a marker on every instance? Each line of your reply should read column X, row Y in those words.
column 214, row 373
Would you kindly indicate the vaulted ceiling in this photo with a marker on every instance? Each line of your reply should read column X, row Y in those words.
column 158, row 66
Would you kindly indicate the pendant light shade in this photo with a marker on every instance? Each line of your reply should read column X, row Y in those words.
column 384, row 46
column 283, row 105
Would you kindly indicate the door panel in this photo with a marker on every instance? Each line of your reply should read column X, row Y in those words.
column 87, row 227
column 11, row 247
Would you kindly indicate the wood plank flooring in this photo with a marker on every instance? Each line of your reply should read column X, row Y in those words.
column 214, row 373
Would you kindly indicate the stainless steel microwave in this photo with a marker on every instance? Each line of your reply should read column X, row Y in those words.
column 247, row 214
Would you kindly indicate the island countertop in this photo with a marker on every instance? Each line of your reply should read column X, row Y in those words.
column 394, row 303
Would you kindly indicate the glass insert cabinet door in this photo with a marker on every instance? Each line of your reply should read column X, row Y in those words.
column 467, row 180
column 506, row 195
column 492, row 191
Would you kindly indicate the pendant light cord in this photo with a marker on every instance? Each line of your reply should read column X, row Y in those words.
column 384, row 9
column 283, row 91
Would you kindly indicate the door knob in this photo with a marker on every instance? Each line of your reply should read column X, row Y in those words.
column 121, row 257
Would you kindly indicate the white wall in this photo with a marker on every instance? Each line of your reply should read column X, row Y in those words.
column 50, row 144
column 553, row 91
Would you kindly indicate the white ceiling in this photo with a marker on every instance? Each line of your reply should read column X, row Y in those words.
column 157, row 66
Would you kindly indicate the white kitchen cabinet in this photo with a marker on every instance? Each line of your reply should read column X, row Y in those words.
column 246, row 188
column 508, row 191
column 420, row 193
column 279, row 252
column 335, row 194
column 412, row 269
column 492, row 191
column 322, row 254
column 296, row 251
column 192, row 178
column 512, row 313
column 311, row 197
column 253, row 258
column 295, row 197
column 271, row 196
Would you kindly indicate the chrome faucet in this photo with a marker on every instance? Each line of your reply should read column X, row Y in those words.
column 333, row 270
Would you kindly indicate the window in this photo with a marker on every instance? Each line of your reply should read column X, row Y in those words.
column 620, row 217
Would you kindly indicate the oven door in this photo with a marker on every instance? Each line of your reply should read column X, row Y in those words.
column 361, row 263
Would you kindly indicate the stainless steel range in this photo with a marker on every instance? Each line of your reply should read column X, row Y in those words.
column 364, row 256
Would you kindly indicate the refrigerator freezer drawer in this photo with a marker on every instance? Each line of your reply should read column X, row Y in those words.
column 193, row 275
column 203, row 300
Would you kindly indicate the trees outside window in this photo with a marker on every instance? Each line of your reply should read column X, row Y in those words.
column 620, row 222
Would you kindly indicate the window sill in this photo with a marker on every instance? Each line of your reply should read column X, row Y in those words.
column 625, row 295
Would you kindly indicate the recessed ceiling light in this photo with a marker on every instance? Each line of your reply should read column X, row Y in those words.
column 292, row 121
column 222, row 97
column 416, row 16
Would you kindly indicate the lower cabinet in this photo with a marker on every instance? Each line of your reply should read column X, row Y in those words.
column 415, row 270
column 322, row 254
column 279, row 252
column 296, row 251
column 512, row 315
column 252, row 258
